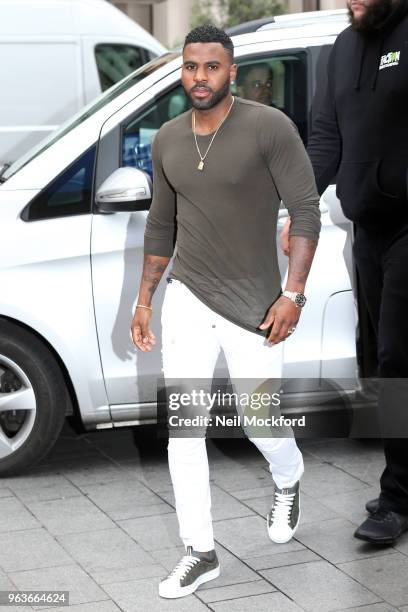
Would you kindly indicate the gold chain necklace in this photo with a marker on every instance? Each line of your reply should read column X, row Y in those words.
column 202, row 157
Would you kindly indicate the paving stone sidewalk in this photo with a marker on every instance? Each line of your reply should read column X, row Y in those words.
column 97, row 518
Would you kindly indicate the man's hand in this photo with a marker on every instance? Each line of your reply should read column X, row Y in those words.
column 142, row 335
column 153, row 268
column 283, row 316
column 284, row 237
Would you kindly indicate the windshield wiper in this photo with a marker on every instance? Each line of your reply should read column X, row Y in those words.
column 3, row 168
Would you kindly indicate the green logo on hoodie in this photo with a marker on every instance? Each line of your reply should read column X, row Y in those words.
column 390, row 59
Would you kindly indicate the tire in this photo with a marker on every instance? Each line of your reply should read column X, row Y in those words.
column 32, row 384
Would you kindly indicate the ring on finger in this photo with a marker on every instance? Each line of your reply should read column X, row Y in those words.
column 291, row 330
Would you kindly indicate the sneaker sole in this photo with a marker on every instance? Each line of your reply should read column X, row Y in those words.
column 188, row 590
column 283, row 540
column 375, row 542
column 379, row 541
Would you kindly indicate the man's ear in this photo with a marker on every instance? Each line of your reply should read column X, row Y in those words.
column 233, row 72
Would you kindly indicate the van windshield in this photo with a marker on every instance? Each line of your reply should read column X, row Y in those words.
column 89, row 110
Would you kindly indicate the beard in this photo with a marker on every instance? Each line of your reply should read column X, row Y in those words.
column 374, row 17
column 213, row 100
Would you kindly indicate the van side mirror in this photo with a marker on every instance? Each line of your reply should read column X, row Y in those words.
column 125, row 190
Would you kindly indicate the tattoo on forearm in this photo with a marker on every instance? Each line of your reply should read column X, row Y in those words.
column 301, row 253
column 153, row 269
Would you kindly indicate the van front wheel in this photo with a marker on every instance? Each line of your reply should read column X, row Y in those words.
column 32, row 399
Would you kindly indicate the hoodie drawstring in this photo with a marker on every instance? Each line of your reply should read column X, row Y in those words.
column 377, row 69
column 360, row 53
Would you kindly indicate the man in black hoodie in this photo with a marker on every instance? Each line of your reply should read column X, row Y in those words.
column 361, row 134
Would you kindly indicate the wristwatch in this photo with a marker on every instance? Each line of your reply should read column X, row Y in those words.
column 298, row 298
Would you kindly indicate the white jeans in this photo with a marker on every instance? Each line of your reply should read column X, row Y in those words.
column 192, row 337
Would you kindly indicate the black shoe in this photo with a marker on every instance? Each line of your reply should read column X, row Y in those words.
column 372, row 505
column 382, row 527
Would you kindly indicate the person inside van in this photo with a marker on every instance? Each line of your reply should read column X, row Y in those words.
column 255, row 82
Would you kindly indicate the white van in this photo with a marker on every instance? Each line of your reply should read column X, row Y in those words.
column 56, row 56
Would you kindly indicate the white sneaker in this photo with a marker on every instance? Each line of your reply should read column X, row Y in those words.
column 187, row 575
column 283, row 518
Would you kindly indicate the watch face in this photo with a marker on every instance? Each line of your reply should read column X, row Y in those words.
column 300, row 300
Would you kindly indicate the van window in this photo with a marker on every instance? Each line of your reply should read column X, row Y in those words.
column 69, row 194
column 115, row 62
column 138, row 133
column 278, row 80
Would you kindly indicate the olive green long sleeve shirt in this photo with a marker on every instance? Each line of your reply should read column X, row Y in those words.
column 223, row 218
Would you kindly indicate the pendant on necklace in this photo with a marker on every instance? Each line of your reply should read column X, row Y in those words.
column 200, row 165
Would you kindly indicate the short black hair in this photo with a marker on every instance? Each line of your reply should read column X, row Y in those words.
column 244, row 71
column 208, row 34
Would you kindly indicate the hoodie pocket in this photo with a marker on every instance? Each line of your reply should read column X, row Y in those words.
column 369, row 191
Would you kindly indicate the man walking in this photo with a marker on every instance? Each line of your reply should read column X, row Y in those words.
column 220, row 171
column 361, row 134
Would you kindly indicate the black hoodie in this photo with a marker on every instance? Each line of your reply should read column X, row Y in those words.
column 361, row 131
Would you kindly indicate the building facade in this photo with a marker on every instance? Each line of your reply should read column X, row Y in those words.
column 169, row 20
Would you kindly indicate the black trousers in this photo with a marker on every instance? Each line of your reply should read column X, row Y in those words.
column 381, row 258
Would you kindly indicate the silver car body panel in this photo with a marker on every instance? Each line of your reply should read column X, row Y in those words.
column 46, row 280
